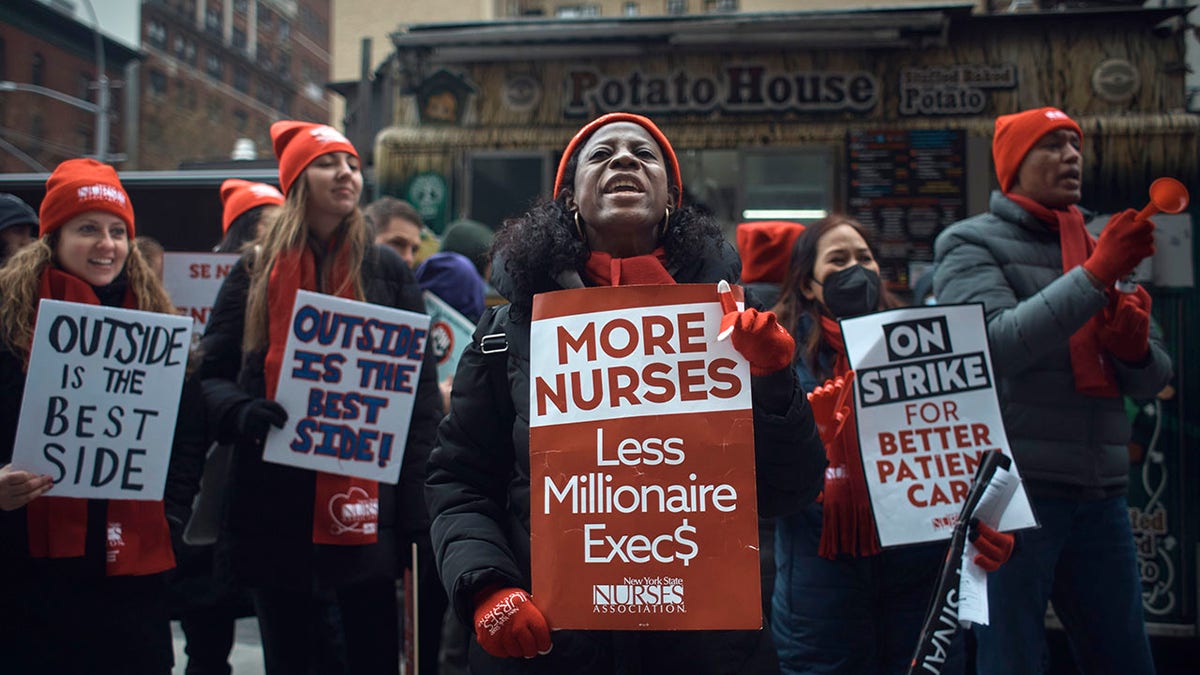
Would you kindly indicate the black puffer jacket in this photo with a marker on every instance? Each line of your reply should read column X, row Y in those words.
column 481, row 464
column 269, row 520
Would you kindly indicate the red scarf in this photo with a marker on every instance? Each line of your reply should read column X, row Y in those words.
column 847, row 526
column 606, row 270
column 139, row 541
column 345, row 508
column 1094, row 375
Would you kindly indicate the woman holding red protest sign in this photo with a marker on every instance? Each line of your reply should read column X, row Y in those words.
column 86, row 578
column 616, row 218
column 841, row 604
column 289, row 536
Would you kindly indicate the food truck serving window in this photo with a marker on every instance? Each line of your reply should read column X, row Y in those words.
column 504, row 184
column 777, row 184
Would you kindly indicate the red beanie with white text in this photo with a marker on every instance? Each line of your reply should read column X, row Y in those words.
column 1016, row 135
column 297, row 144
column 81, row 185
column 239, row 196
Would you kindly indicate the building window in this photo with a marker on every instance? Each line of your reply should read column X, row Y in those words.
column 240, row 120
column 212, row 20
column 158, row 83
column 241, row 81
column 577, row 11
column 502, row 183
column 677, row 7
column 239, row 38
column 285, row 30
column 156, row 33
column 629, row 9
column 214, row 67
column 241, row 6
column 3, row 61
column 184, row 49
column 37, row 70
column 264, row 18
column 712, row 6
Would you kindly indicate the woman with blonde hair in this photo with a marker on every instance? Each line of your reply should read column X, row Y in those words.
column 283, row 543
column 86, row 589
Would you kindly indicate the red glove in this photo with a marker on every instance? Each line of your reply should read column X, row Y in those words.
column 1125, row 331
column 508, row 624
column 756, row 335
column 1123, row 243
column 829, row 407
column 994, row 547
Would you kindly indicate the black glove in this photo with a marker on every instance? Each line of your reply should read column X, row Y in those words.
column 254, row 418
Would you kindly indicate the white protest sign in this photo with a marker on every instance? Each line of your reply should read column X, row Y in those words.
column 449, row 334
column 193, row 279
column 926, row 410
column 101, row 400
column 348, row 383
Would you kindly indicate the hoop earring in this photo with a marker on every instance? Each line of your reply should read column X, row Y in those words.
column 579, row 228
column 662, row 231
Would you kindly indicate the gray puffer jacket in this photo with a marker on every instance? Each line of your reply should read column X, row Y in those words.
column 1066, row 444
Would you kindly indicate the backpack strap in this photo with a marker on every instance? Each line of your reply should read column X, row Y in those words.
column 491, row 334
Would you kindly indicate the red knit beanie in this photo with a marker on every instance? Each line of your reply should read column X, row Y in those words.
column 81, row 185
column 1016, row 134
column 583, row 134
column 239, row 196
column 766, row 249
column 297, row 144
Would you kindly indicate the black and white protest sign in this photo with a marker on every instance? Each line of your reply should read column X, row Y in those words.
column 101, row 399
column 927, row 413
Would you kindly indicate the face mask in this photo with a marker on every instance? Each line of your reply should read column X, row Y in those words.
column 850, row 292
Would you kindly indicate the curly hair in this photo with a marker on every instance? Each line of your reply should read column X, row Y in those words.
column 793, row 308
column 542, row 243
column 21, row 277
column 289, row 231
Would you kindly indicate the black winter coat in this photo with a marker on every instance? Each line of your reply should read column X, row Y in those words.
column 183, row 479
column 479, row 486
column 269, row 519
column 124, row 616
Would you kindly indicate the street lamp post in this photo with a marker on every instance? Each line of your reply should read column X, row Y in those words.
column 101, row 86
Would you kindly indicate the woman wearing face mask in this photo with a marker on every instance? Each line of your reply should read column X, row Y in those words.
column 841, row 604
column 285, row 543
column 85, row 578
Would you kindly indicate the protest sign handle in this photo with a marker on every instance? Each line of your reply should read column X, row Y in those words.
column 941, row 619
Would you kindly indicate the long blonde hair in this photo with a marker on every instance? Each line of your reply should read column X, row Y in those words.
column 286, row 231
column 21, row 277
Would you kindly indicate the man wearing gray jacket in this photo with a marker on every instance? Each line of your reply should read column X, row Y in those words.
column 1066, row 348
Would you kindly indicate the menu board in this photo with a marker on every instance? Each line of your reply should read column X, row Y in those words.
column 905, row 186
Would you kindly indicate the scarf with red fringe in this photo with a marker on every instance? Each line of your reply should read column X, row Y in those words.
column 847, row 526
column 138, row 538
column 1094, row 374
column 345, row 508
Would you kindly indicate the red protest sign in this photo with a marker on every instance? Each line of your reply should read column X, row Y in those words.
column 642, row 463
